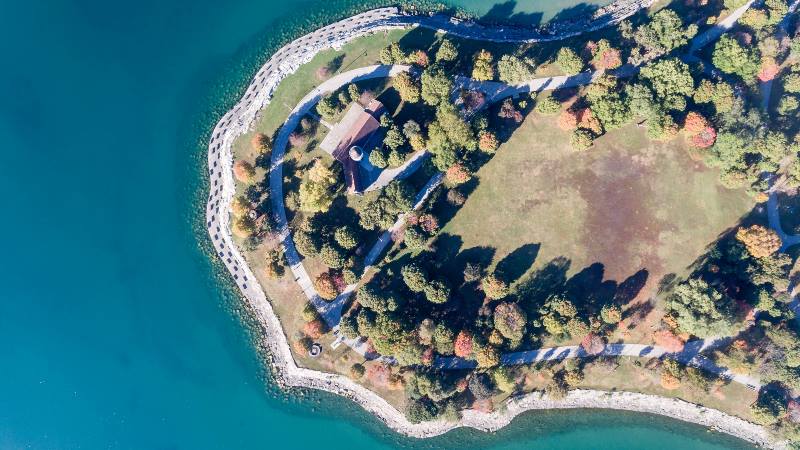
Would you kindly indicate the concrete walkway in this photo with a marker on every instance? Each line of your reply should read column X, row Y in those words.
column 689, row 356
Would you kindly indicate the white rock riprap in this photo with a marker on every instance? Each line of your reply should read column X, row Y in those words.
column 238, row 120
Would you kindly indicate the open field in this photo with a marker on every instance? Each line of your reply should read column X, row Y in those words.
column 626, row 209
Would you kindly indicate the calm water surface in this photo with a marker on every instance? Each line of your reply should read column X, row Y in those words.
column 116, row 331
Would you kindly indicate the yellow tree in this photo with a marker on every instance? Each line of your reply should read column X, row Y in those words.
column 760, row 241
column 482, row 68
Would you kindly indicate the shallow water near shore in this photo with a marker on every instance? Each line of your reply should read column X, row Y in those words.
column 117, row 330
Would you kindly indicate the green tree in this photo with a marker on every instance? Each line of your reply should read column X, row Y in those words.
column 443, row 338
column 447, row 51
column 663, row 33
column 731, row 57
column 394, row 139
column 581, row 139
column 512, row 69
column 415, row 238
column 332, row 256
column 670, row 80
column 548, row 105
column 377, row 157
column 569, row 61
column 415, row 277
column 436, row 86
column 327, row 107
column 702, row 310
column 437, row 291
column 407, row 87
column 346, row 237
column 392, row 54
column 494, row 287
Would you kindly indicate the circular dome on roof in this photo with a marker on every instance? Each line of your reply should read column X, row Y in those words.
column 356, row 153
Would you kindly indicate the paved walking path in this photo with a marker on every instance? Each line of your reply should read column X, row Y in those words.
column 689, row 356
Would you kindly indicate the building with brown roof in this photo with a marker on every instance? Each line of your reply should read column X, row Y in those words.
column 353, row 138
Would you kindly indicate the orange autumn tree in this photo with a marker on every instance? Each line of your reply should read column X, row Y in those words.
column 760, row 241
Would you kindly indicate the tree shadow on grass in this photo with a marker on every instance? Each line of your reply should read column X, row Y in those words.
column 418, row 38
column 335, row 64
column 549, row 280
column 630, row 288
column 587, row 288
column 516, row 263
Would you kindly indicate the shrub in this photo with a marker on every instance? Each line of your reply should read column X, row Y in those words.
column 273, row 268
column 548, row 105
column 357, row 371
column 581, row 139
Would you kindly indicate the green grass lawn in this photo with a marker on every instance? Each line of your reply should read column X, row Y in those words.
column 625, row 205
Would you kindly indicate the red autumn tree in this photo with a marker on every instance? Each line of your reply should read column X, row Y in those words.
column 462, row 346
column 769, row 69
column 593, row 344
column 704, row 138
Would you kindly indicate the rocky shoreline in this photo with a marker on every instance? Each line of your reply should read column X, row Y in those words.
column 222, row 189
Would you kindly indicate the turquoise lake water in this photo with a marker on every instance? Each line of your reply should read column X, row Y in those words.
column 116, row 330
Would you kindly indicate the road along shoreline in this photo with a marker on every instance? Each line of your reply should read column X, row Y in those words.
column 238, row 120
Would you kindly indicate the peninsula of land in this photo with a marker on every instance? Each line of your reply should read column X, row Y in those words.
column 455, row 201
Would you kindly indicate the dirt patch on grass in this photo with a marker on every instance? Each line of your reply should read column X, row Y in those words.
column 621, row 229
